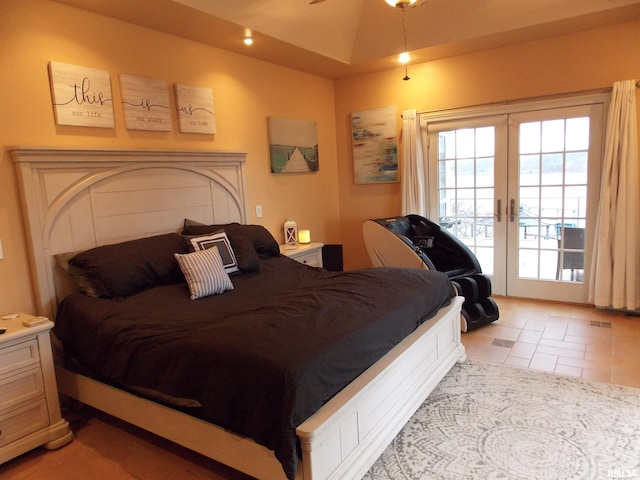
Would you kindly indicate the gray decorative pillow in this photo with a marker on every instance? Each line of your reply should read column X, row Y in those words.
column 221, row 241
column 204, row 272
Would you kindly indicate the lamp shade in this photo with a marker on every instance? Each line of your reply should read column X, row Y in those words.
column 304, row 236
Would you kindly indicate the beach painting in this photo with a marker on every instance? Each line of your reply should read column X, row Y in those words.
column 293, row 145
column 374, row 137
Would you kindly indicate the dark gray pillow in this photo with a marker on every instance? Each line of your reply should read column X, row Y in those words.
column 248, row 259
column 262, row 240
column 122, row 269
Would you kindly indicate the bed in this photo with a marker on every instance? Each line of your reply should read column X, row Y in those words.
column 76, row 200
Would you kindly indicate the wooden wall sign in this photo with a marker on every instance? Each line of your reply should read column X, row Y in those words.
column 195, row 109
column 81, row 96
column 145, row 102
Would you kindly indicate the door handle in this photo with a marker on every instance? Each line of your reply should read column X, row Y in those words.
column 498, row 215
column 512, row 208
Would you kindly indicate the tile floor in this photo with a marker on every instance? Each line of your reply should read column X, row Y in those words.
column 565, row 339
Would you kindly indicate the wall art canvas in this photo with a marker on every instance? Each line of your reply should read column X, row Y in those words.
column 293, row 145
column 375, row 145
column 195, row 109
column 145, row 102
column 81, row 96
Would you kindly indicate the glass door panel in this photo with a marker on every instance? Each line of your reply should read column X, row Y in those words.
column 520, row 190
column 468, row 166
column 465, row 188
column 555, row 151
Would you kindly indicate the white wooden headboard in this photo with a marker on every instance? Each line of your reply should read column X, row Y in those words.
column 75, row 199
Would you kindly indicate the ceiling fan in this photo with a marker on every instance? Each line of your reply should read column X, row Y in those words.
column 393, row 3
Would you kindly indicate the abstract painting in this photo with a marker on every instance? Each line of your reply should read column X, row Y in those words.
column 375, row 145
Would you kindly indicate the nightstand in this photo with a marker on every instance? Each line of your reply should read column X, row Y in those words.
column 29, row 405
column 307, row 253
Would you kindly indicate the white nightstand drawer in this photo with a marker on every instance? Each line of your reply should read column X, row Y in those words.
column 19, row 356
column 22, row 421
column 29, row 405
column 313, row 259
column 307, row 253
column 21, row 388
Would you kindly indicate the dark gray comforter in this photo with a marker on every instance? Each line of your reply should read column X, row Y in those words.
column 262, row 358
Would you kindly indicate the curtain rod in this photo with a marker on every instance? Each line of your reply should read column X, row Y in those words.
column 550, row 96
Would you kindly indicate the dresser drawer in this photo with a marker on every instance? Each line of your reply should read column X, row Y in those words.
column 21, row 388
column 22, row 421
column 19, row 356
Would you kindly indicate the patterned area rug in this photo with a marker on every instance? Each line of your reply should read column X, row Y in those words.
column 496, row 422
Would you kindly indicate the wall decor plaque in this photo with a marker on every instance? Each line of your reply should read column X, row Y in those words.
column 195, row 109
column 145, row 102
column 81, row 96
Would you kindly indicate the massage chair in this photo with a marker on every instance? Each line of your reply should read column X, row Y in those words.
column 413, row 241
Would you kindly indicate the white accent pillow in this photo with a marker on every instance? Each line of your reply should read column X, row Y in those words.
column 220, row 240
column 204, row 272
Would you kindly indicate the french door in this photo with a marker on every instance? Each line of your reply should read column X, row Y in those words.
column 520, row 189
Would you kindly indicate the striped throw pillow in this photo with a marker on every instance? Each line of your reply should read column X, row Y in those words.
column 204, row 272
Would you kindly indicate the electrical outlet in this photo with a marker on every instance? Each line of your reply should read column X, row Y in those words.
column 259, row 211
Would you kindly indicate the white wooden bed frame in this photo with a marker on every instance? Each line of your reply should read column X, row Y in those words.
column 74, row 199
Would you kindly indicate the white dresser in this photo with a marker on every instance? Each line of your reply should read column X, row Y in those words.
column 29, row 405
column 307, row 253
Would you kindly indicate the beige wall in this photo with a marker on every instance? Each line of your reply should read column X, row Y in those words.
column 586, row 60
column 246, row 91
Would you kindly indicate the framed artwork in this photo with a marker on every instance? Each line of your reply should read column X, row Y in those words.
column 293, row 145
column 81, row 96
column 195, row 109
column 374, row 137
column 145, row 102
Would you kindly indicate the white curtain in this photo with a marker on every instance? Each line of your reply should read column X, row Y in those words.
column 413, row 181
column 615, row 271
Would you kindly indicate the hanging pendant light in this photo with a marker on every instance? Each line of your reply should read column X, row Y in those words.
column 404, row 57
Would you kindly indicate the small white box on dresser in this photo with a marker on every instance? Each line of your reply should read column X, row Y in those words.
column 29, row 405
column 307, row 253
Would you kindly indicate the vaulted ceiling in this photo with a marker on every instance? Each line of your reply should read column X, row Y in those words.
column 339, row 38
